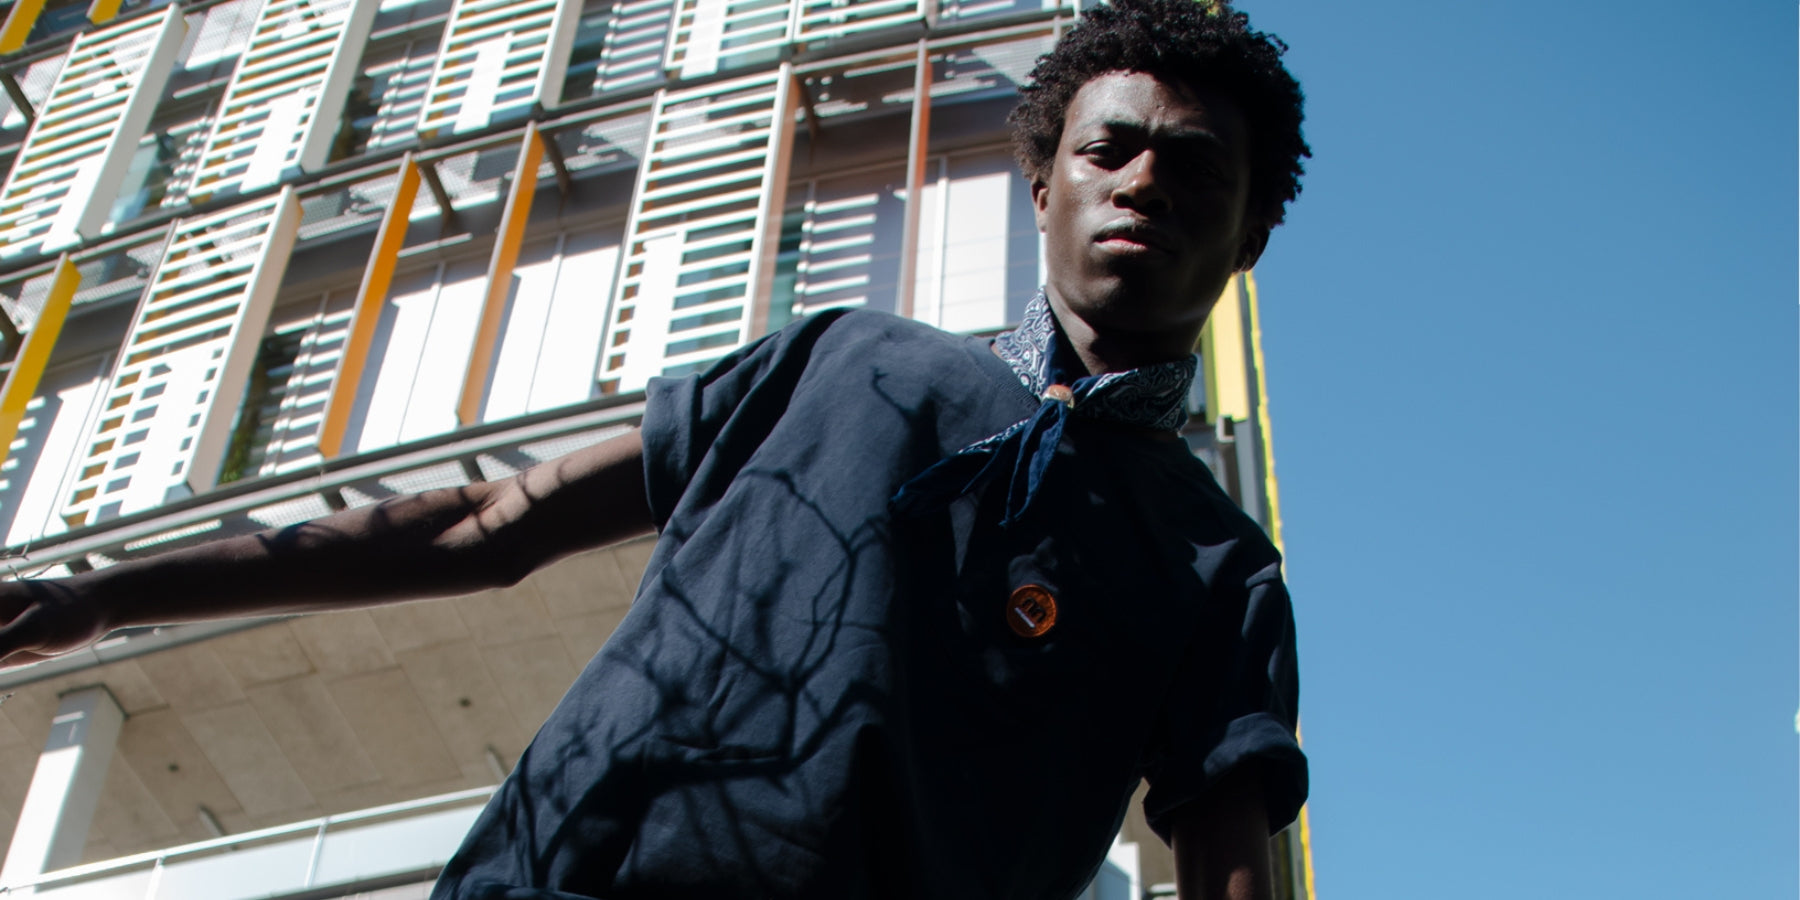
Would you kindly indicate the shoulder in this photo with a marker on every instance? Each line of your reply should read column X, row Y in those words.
column 864, row 340
column 1179, row 491
column 863, row 327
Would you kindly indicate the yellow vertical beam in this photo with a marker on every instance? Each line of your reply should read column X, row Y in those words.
column 34, row 353
column 1262, row 412
column 1273, row 494
column 19, row 19
column 500, row 270
column 370, row 297
column 1222, row 353
column 102, row 11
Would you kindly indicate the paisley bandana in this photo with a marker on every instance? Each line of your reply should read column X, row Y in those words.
column 1148, row 397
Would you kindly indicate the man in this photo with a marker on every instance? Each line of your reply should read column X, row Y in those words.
column 924, row 608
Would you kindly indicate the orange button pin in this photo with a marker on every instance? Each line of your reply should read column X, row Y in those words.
column 1032, row 610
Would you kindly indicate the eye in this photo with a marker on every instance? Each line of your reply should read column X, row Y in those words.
column 1103, row 153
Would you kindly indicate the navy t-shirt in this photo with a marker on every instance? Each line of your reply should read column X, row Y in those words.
column 810, row 698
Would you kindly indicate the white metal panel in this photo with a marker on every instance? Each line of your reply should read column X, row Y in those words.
column 172, row 397
column 282, row 105
column 825, row 19
column 553, row 325
column 420, row 352
column 77, row 152
column 978, row 259
column 501, row 54
column 698, row 243
column 38, row 464
column 572, row 333
column 399, row 78
column 636, row 41
column 296, row 404
column 849, row 248
column 712, row 35
column 431, row 410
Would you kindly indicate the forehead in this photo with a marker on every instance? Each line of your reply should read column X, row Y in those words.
column 1142, row 100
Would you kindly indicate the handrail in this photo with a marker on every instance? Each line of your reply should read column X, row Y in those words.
column 241, row 497
column 320, row 825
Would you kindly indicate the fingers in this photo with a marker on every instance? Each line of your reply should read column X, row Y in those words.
column 21, row 639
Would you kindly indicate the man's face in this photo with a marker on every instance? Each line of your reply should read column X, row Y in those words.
column 1143, row 211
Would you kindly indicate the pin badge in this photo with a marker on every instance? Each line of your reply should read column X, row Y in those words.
column 1032, row 611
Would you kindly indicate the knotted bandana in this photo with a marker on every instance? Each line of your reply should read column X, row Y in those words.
column 1148, row 397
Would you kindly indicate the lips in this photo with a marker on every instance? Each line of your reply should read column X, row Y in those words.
column 1134, row 232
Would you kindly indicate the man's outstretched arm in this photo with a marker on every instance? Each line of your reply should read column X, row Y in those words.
column 1221, row 843
column 438, row 543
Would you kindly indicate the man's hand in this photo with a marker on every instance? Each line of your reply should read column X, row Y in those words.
column 1221, row 842
column 436, row 544
column 41, row 619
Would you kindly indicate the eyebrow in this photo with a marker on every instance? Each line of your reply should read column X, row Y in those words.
column 1188, row 136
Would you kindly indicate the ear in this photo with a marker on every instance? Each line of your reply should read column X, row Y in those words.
column 1040, row 201
column 1251, row 250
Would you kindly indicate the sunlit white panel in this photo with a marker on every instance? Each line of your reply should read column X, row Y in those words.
column 979, row 259
column 174, row 393
column 527, row 313
column 553, row 326
column 299, row 388
column 636, row 41
column 38, row 464
column 819, row 20
column 714, row 173
column 572, row 333
column 282, row 106
column 79, row 149
column 498, row 57
column 715, row 35
column 850, row 245
column 418, row 356
column 393, row 361
column 396, row 81
column 432, row 409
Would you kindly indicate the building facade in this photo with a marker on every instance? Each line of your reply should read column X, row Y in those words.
column 265, row 259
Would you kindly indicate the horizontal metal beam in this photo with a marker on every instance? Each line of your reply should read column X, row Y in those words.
column 239, row 498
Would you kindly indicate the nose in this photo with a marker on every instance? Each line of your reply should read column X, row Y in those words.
column 1138, row 187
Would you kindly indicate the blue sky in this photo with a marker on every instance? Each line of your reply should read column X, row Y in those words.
column 1531, row 337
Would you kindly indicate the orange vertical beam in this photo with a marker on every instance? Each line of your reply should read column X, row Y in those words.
column 19, row 19
column 370, row 297
column 500, row 269
column 34, row 353
column 916, row 151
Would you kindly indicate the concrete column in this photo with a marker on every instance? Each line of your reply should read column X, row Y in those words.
column 65, row 788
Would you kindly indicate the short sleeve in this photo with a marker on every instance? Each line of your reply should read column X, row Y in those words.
column 1233, row 704
column 716, row 419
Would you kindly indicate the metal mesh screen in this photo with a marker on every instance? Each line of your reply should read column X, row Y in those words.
column 608, row 145
column 346, row 208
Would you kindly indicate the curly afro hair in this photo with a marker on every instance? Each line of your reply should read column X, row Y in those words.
column 1194, row 42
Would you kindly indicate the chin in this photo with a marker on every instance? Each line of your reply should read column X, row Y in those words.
column 1129, row 306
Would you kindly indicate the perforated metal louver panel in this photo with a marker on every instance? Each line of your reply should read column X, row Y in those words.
column 498, row 57
column 170, row 402
column 698, row 235
column 636, row 41
column 282, row 106
column 714, row 35
column 78, row 150
column 821, row 20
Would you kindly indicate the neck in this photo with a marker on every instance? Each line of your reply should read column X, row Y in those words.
column 1103, row 351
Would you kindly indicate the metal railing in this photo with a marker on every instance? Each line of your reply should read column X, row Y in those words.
column 383, row 845
column 447, row 460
